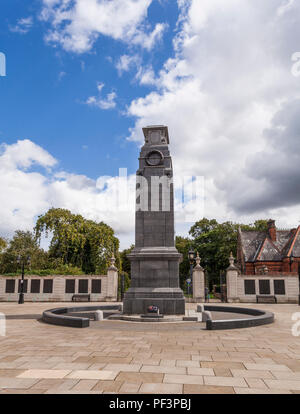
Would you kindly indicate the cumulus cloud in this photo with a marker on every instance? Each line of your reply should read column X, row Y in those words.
column 102, row 103
column 77, row 24
column 24, row 193
column 30, row 184
column 146, row 76
column 229, row 98
column 127, row 62
column 23, row 25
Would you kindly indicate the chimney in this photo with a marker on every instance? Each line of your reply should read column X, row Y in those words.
column 272, row 229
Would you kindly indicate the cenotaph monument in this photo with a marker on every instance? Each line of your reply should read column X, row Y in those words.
column 154, row 260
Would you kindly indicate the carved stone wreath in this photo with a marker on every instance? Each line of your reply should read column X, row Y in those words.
column 154, row 158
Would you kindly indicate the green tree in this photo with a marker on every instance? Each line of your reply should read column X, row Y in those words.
column 23, row 245
column 77, row 241
column 214, row 241
column 125, row 262
column 3, row 244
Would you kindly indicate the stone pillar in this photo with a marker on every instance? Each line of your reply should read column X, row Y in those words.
column 59, row 288
column 198, row 282
column 112, row 282
column 155, row 259
column 232, row 281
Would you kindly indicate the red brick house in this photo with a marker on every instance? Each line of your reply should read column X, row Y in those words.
column 274, row 251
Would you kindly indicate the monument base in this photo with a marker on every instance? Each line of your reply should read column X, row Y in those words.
column 170, row 301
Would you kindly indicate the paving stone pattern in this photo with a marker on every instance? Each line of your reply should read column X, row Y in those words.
column 125, row 357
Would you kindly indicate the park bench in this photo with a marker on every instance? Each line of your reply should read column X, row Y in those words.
column 81, row 298
column 266, row 299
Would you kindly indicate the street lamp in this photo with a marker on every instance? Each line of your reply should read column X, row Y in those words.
column 122, row 286
column 191, row 256
column 21, row 261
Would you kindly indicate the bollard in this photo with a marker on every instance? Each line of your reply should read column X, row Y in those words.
column 99, row 315
column 206, row 316
column 200, row 307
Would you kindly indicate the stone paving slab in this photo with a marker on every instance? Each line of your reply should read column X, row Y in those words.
column 245, row 373
column 259, row 391
column 123, row 367
column 206, row 389
column 90, row 374
column 163, row 369
column 46, row 373
column 25, row 383
column 183, row 379
column 148, row 388
column 122, row 357
column 225, row 381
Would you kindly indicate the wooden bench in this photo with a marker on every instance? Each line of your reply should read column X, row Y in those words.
column 266, row 299
column 81, row 298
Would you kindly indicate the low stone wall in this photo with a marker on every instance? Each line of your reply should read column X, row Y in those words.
column 290, row 288
column 60, row 288
column 259, row 317
column 64, row 317
column 246, row 288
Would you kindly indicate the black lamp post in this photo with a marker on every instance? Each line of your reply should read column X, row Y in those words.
column 22, row 262
column 191, row 255
column 122, row 286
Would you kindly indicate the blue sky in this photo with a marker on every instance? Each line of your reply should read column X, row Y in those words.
column 46, row 87
column 84, row 77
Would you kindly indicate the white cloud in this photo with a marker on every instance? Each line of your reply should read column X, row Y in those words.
column 146, row 76
column 23, row 192
column 229, row 77
column 76, row 24
column 106, row 103
column 61, row 75
column 27, row 193
column 285, row 7
column 126, row 63
column 23, row 25
column 24, row 154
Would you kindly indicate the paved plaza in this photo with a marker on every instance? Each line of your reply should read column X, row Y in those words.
column 125, row 357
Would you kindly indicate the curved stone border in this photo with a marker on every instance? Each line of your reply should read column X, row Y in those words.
column 260, row 318
column 59, row 316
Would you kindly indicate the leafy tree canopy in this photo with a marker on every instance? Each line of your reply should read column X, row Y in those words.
column 125, row 261
column 3, row 244
column 23, row 245
column 77, row 241
column 214, row 241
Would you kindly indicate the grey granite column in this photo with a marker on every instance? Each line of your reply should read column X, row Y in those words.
column 155, row 260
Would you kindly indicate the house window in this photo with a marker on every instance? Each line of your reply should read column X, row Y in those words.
column 35, row 286
column 24, row 287
column 250, row 287
column 48, row 286
column 264, row 287
column 70, row 285
column 83, row 286
column 10, row 286
column 279, row 287
column 96, row 285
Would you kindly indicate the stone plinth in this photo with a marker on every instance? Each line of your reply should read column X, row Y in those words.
column 198, row 282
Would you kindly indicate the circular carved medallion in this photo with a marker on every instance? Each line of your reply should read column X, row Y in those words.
column 154, row 158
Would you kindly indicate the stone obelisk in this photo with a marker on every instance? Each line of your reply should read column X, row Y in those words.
column 154, row 260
